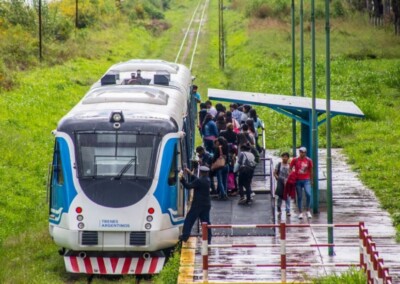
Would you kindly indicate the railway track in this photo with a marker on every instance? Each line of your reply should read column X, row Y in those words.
column 188, row 47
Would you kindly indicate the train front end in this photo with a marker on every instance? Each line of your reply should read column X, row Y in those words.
column 113, row 209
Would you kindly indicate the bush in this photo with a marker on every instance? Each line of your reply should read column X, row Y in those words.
column 6, row 81
column 338, row 9
column 153, row 12
column 262, row 9
column 17, row 13
column 18, row 48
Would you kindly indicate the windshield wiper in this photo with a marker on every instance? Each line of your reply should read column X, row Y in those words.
column 125, row 168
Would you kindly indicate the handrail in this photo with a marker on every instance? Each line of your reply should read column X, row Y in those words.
column 369, row 259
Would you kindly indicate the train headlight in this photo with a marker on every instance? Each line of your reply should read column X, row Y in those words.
column 79, row 217
column 81, row 225
column 150, row 210
column 78, row 210
column 116, row 116
column 149, row 218
column 147, row 226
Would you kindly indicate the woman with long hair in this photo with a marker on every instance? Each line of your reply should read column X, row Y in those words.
column 221, row 148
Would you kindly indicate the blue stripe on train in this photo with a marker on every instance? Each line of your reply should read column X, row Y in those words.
column 64, row 193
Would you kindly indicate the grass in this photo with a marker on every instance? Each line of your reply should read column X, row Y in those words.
column 352, row 276
column 29, row 113
column 365, row 69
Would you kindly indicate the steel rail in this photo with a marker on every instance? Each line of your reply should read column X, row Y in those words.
column 187, row 32
column 198, row 33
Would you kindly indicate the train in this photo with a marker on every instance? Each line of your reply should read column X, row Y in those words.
column 116, row 205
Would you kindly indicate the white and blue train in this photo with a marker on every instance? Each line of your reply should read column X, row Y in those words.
column 116, row 202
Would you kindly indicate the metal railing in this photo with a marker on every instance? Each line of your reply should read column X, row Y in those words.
column 369, row 259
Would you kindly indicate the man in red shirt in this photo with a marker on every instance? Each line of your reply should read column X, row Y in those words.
column 303, row 167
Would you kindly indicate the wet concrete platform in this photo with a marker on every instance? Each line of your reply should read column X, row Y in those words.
column 259, row 212
column 352, row 203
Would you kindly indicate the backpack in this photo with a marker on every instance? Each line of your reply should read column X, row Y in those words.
column 249, row 161
column 248, row 164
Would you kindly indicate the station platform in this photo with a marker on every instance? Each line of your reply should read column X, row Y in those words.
column 352, row 203
column 261, row 211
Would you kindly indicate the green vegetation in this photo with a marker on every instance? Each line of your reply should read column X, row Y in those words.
column 30, row 111
column 64, row 36
column 365, row 69
column 352, row 276
column 170, row 272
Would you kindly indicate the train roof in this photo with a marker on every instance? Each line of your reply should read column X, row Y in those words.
column 154, row 72
column 136, row 103
column 162, row 95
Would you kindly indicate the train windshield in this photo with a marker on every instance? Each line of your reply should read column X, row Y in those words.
column 116, row 154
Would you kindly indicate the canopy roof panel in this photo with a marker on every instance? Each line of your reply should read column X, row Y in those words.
column 289, row 103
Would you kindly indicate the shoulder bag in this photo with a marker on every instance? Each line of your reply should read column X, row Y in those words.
column 220, row 162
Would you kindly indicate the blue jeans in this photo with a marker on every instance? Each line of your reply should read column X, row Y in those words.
column 222, row 180
column 287, row 202
column 300, row 184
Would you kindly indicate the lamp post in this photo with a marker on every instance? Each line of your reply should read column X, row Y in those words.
column 314, row 133
column 221, row 40
column 301, row 48
column 328, row 128
column 293, row 75
column 76, row 14
column 40, row 30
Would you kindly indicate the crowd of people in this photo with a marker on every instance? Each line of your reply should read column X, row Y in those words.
column 232, row 136
column 230, row 152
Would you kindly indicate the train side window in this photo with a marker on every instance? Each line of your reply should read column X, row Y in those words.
column 173, row 170
column 57, row 166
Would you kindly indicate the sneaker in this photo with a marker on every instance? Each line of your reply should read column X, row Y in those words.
column 249, row 202
column 309, row 216
column 252, row 194
column 242, row 201
column 300, row 216
column 288, row 214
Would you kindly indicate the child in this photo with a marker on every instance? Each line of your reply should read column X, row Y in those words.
column 281, row 174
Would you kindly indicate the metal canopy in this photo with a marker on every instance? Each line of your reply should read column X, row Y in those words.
column 298, row 108
column 292, row 104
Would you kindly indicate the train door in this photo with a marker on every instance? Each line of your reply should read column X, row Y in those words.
column 191, row 125
column 188, row 139
column 182, row 197
column 176, row 190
